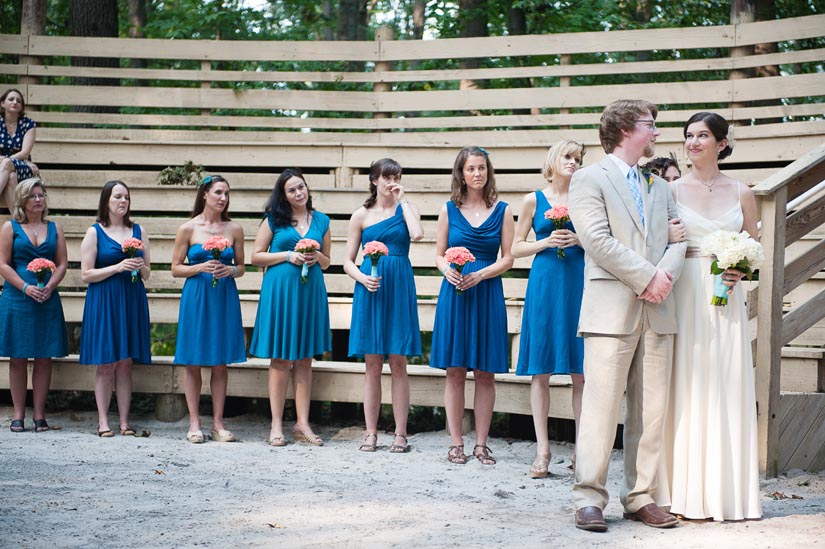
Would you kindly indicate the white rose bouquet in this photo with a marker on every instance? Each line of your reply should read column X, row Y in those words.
column 730, row 250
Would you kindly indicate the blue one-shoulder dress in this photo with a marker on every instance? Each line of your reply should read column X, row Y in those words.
column 210, row 332
column 116, row 311
column 470, row 329
column 551, row 306
column 386, row 322
column 29, row 329
column 293, row 318
column 13, row 143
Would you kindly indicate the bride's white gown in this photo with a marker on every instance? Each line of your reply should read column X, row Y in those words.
column 709, row 466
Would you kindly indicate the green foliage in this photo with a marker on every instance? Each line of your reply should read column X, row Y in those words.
column 188, row 174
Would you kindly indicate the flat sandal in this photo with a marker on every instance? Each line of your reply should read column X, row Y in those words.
column 483, row 454
column 397, row 448
column 456, row 455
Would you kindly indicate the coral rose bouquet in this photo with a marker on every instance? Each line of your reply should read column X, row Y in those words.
column 131, row 247
column 730, row 250
column 559, row 216
column 216, row 245
column 457, row 257
column 374, row 250
column 41, row 267
column 305, row 246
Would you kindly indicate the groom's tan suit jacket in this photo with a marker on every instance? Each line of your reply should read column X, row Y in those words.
column 622, row 254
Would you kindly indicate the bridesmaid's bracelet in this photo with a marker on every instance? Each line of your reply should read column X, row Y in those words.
column 234, row 271
column 25, row 285
column 288, row 255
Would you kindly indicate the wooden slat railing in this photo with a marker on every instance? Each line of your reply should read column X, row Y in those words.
column 778, row 230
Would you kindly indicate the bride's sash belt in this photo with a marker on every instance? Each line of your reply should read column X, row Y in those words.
column 694, row 252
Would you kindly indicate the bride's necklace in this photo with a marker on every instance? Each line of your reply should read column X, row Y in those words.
column 709, row 186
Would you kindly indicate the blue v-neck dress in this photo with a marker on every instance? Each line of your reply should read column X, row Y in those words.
column 470, row 329
column 116, row 311
column 549, row 344
column 293, row 318
column 29, row 329
column 386, row 322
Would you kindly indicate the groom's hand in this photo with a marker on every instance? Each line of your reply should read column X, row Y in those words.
column 658, row 288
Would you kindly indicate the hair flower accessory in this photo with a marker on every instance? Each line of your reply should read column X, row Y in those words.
column 483, row 151
column 206, row 181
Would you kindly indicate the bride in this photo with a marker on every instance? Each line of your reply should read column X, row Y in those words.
column 710, row 467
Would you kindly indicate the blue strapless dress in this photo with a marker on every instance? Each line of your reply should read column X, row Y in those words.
column 116, row 311
column 470, row 329
column 210, row 331
column 551, row 306
column 29, row 329
column 386, row 322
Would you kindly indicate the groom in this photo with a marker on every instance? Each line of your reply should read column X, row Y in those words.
column 627, row 315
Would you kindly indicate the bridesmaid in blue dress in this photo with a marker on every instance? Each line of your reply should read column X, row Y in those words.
column 31, row 318
column 17, row 133
column 549, row 345
column 210, row 332
column 292, row 324
column 384, row 308
column 470, row 330
column 115, row 328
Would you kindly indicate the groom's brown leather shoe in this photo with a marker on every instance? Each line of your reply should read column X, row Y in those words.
column 653, row 516
column 590, row 519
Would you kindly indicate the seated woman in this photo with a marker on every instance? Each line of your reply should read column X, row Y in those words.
column 16, row 143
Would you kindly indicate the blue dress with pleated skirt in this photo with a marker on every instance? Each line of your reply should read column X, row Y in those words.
column 210, row 332
column 549, row 344
column 470, row 329
column 293, row 317
column 116, row 312
column 386, row 322
column 29, row 329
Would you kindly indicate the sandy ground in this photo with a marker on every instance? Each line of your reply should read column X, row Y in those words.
column 71, row 489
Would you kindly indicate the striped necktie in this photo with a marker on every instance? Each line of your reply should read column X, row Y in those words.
column 633, row 183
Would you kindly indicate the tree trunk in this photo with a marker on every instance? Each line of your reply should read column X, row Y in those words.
column 33, row 20
column 326, row 10
column 472, row 21
column 137, row 21
column 96, row 18
column 352, row 25
column 516, row 26
column 750, row 11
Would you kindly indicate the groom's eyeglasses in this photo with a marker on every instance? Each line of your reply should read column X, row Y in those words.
column 649, row 124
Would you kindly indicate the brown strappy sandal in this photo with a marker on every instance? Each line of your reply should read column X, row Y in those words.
column 366, row 445
column 456, row 455
column 483, row 454
column 399, row 448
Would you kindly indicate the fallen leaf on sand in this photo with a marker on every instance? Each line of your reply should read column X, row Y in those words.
column 274, row 525
column 781, row 495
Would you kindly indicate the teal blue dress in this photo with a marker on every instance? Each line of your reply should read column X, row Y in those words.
column 116, row 311
column 551, row 306
column 470, row 329
column 29, row 329
column 210, row 331
column 386, row 322
column 293, row 318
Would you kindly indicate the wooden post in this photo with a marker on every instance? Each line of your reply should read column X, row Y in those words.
column 564, row 82
column 769, row 329
column 206, row 65
column 170, row 407
column 384, row 33
column 741, row 12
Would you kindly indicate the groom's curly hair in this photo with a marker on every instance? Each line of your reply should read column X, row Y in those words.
column 622, row 115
